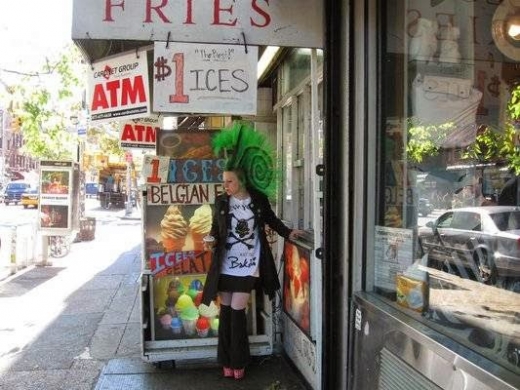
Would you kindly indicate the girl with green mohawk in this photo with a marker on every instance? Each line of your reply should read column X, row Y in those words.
column 242, row 259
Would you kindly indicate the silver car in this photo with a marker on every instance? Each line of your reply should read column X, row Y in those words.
column 481, row 243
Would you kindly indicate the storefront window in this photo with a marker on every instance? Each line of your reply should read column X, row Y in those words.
column 302, row 123
column 296, row 69
column 447, row 234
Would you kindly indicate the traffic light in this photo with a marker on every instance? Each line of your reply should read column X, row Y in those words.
column 16, row 124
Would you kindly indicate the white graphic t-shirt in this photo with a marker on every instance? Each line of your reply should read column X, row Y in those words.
column 242, row 245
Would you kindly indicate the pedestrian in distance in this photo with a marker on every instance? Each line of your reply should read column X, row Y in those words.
column 242, row 260
column 109, row 183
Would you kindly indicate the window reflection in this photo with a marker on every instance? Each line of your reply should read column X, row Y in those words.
column 450, row 164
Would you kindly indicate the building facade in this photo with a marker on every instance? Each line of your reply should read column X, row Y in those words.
column 398, row 145
column 421, row 125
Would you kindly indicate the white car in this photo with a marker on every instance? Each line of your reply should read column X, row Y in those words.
column 476, row 242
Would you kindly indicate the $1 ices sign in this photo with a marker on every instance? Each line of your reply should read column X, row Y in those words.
column 204, row 78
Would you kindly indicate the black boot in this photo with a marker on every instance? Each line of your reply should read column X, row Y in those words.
column 239, row 339
column 224, row 336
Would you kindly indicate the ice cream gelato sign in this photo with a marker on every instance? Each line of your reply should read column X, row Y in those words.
column 182, row 181
column 118, row 88
column 204, row 78
column 178, row 263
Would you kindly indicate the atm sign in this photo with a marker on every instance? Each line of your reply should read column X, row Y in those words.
column 138, row 136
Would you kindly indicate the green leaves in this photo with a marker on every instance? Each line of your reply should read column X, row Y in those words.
column 426, row 140
column 487, row 146
column 513, row 106
column 45, row 101
column 491, row 145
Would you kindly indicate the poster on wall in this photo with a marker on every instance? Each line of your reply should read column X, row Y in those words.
column 393, row 255
column 296, row 285
column 56, row 179
column 180, row 191
column 181, row 184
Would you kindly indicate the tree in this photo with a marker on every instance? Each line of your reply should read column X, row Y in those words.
column 47, row 100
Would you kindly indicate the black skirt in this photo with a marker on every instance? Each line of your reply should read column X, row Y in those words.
column 229, row 283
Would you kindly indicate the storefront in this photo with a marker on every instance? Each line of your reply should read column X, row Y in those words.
column 396, row 142
column 205, row 81
column 432, row 116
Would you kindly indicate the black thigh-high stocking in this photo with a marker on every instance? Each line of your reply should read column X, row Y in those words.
column 224, row 336
column 239, row 340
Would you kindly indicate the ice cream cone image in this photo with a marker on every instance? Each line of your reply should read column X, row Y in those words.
column 202, row 326
column 200, row 226
column 210, row 311
column 174, row 230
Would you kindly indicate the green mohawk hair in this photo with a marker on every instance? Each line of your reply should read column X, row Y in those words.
column 248, row 150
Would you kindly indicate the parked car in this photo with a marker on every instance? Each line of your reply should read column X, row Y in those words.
column 30, row 198
column 14, row 191
column 91, row 189
column 425, row 207
column 477, row 242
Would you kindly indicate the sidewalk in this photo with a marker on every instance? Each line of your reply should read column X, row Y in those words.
column 76, row 325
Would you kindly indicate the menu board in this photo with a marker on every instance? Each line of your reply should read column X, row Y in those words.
column 56, row 178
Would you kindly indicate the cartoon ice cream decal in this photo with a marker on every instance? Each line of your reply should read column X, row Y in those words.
column 202, row 326
column 200, row 225
column 174, row 230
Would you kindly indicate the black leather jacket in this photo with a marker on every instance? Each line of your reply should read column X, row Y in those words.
column 261, row 208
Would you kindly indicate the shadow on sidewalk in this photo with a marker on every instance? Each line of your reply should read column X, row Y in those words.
column 20, row 284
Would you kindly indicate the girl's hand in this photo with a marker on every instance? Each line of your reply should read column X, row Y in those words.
column 209, row 243
column 295, row 233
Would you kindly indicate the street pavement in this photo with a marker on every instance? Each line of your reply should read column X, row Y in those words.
column 75, row 324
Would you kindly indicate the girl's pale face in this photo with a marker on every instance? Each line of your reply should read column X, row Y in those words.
column 231, row 183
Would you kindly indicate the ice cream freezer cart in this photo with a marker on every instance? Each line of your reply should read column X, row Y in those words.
column 182, row 181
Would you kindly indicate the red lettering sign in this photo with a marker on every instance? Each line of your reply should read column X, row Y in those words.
column 118, row 93
column 179, row 263
column 138, row 133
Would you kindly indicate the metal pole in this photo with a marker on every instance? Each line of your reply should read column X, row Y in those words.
column 82, row 196
column 128, row 186
column 2, row 128
column 45, row 250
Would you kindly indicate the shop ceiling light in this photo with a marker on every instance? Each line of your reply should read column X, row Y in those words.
column 266, row 59
column 513, row 27
column 506, row 28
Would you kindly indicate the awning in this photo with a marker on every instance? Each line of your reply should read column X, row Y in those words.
column 449, row 180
